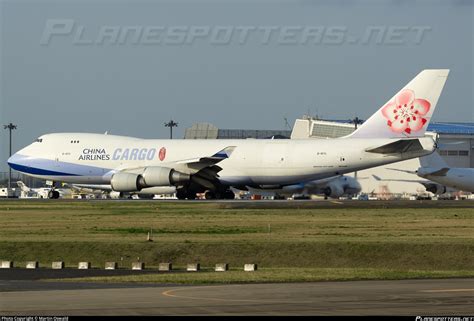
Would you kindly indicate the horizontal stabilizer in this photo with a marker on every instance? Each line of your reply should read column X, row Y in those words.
column 400, row 146
column 441, row 172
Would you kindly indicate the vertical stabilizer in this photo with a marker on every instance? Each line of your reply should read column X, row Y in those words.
column 408, row 113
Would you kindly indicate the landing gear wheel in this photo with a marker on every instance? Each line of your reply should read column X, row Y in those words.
column 228, row 195
column 52, row 194
column 181, row 194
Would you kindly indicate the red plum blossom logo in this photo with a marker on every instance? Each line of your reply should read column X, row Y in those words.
column 405, row 112
column 162, row 153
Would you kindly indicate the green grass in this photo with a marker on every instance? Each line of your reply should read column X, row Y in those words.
column 382, row 239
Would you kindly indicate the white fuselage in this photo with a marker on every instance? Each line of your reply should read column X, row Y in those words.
column 94, row 158
column 457, row 178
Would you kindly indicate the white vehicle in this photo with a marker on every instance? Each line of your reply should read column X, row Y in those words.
column 333, row 187
column 6, row 192
column 42, row 192
column 434, row 168
column 394, row 133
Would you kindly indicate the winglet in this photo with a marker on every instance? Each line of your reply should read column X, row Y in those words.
column 225, row 153
column 214, row 159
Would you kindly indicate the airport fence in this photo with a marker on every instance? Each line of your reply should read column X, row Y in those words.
column 17, row 176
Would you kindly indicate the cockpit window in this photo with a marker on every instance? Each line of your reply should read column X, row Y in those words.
column 39, row 140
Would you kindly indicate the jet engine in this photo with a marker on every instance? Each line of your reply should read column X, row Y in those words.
column 434, row 188
column 125, row 182
column 150, row 177
column 334, row 190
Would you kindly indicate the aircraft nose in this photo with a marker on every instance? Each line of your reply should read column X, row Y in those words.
column 17, row 161
column 11, row 160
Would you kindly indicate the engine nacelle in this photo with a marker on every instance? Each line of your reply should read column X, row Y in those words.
column 436, row 189
column 162, row 176
column 150, row 177
column 125, row 182
column 334, row 190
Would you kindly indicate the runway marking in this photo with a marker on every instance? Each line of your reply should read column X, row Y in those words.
column 336, row 202
column 448, row 290
column 168, row 293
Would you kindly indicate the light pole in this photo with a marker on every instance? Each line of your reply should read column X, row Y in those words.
column 356, row 121
column 10, row 127
column 171, row 124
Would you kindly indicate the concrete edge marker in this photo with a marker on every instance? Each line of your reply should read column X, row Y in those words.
column 165, row 267
column 84, row 265
column 138, row 265
column 6, row 264
column 222, row 267
column 32, row 265
column 111, row 265
column 57, row 265
column 250, row 267
column 193, row 267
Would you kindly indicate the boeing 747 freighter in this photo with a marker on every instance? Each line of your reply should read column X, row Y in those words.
column 394, row 133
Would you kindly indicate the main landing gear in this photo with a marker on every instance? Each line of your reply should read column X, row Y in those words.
column 183, row 193
column 225, row 195
column 53, row 194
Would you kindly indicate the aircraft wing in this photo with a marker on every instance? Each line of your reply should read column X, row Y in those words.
column 378, row 178
column 402, row 170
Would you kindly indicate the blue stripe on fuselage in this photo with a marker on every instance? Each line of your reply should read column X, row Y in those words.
column 48, row 167
column 38, row 171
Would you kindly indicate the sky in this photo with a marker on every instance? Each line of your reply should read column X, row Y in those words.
column 127, row 67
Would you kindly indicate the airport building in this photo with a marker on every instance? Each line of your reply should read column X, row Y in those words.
column 209, row 131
